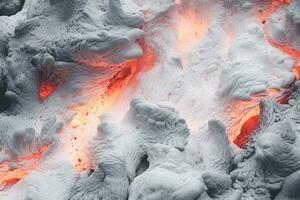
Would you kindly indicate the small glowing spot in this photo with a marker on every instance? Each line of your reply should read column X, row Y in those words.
column 296, row 71
column 247, row 128
column 46, row 89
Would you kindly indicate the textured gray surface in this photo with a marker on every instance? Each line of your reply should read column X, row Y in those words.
column 153, row 152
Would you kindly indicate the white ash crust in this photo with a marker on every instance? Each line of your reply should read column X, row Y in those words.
column 153, row 153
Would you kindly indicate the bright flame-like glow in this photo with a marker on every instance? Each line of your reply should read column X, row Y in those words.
column 23, row 166
column 284, row 48
column 296, row 71
column 246, row 115
column 46, row 89
column 249, row 122
column 84, row 124
column 190, row 29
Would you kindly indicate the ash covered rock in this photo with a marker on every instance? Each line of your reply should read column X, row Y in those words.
column 272, row 156
column 239, row 72
column 185, row 166
column 284, row 27
column 153, row 153
column 176, row 165
column 57, row 41
column 293, row 12
column 10, row 7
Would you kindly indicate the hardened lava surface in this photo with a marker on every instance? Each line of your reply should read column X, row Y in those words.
column 149, row 99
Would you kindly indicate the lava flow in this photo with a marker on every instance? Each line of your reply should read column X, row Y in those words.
column 13, row 170
column 249, row 122
column 190, row 27
column 284, row 48
column 84, row 124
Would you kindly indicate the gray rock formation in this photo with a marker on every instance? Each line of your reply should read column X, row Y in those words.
column 82, row 47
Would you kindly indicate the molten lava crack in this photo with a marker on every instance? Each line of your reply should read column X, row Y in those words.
column 249, row 123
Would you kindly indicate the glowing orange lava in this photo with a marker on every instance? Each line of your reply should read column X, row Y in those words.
column 23, row 166
column 84, row 123
column 190, row 27
column 296, row 71
column 245, row 115
column 284, row 48
column 240, row 116
column 264, row 14
column 247, row 128
column 249, row 122
column 49, row 83
column 189, row 30
column 46, row 89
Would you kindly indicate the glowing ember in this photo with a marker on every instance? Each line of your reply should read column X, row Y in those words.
column 46, row 89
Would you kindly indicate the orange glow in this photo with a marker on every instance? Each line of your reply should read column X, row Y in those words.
column 263, row 15
column 239, row 113
column 296, row 71
column 284, row 48
column 247, row 128
column 241, row 116
column 84, row 124
column 46, row 89
column 177, row 1
column 190, row 29
column 49, row 83
column 249, row 122
column 23, row 166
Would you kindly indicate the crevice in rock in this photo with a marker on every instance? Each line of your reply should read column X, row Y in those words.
column 143, row 166
column 5, row 51
column 5, row 102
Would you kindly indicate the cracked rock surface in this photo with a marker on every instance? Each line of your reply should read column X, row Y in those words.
column 177, row 79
